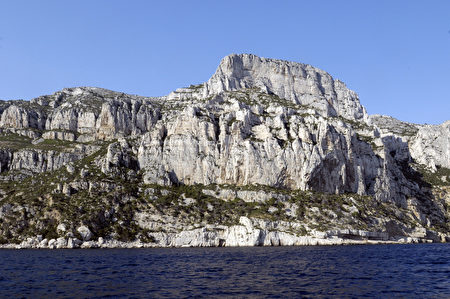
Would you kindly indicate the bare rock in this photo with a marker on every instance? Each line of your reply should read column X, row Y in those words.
column 85, row 232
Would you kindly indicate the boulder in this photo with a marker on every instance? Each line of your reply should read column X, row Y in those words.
column 61, row 242
column 61, row 228
column 52, row 244
column 89, row 244
column 85, row 233
column 43, row 243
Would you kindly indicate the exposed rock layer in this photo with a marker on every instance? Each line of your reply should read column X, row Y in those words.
column 114, row 164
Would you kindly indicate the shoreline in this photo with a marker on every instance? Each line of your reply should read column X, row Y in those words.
column 246, row 233
column 114, row 244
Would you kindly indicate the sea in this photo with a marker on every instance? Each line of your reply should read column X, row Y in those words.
column 350, row 271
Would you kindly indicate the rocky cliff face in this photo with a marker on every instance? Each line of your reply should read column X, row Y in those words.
column 297, row 83
column 267, row 152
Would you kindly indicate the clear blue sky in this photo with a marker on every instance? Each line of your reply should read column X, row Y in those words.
column 394, row 54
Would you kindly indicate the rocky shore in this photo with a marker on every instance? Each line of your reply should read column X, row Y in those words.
column 244, row 234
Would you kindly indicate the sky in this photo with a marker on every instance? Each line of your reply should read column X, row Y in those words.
column 394, row 54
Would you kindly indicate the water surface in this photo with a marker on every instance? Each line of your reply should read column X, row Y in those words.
column 276, row 272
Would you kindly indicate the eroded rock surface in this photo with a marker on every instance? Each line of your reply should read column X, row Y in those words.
column 266, row 152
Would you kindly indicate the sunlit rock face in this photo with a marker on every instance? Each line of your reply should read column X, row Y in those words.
column 298, row 83
column 256, row 123
column 431, row 145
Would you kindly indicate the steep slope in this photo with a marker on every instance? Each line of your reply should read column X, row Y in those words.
column 297, row 83
column 267, row 152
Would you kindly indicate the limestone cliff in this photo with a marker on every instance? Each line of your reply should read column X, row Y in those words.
column 297, row 83
column 266, row 152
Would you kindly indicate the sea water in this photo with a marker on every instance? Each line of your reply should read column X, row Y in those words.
column 381, row 271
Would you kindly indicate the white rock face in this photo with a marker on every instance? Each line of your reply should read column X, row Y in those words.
column 43, row 243
column 431, row 145
column 89, row 244
column 61, row 228
column 18, row 118
column 61, row 242
column 238, row 128
column 257, row 125
column 70, row 243
column 41, row 161
column 426, row 144
column 85, row 232
column 301, row 152
column 261, row 233
column 299, row 83
column 51, row 244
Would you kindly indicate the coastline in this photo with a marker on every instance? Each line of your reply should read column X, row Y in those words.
column 114, row 244
column 203, row 239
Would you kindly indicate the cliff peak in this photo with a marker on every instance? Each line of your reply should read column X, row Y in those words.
column 296, row 82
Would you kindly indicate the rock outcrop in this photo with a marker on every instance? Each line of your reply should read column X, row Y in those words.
column 266, row 152
column 431, row 146
column 298, row 83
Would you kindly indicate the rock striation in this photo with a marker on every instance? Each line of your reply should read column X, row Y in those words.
column 266, row 152
column 298, row 83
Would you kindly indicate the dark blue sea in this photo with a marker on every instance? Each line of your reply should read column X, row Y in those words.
column 377, row 271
